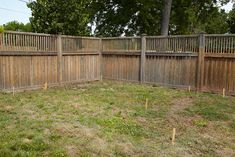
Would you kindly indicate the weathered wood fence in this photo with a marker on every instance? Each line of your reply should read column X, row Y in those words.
column 203, row 62
column 30, row 60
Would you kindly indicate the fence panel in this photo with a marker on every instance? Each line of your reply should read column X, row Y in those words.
column 81, row 59
column 219, row 66
column 72, row 44
column 171, row 61
column 29, row 60
column 121, row 58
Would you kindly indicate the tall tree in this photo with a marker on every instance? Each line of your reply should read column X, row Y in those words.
column 17, row 26
column 134, row 17
column 231, row 21
column 60, row 16
column 190, row 17
column 166, row 17
column 126, row 17
column 216, row 22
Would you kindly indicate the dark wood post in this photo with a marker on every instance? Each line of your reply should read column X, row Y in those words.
column 59, row 56
column 143, row 58
column 100, row 58
column 200, row 63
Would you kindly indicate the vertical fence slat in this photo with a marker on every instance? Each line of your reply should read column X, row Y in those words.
column 143, row 58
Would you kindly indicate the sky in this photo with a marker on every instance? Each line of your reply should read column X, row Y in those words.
column 11, row 10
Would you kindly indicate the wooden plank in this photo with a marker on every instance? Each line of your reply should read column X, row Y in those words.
column 143, row 58
column 59, row 48
column 200, row 63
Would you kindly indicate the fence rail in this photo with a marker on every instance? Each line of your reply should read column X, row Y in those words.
column 28, row 42
column 172, row 44
column 220, row 44
column 29, row 60
column 203, row 62
column 79, row 44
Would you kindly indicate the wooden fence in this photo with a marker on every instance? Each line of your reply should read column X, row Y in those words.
column 202, row 62
column 30, row 60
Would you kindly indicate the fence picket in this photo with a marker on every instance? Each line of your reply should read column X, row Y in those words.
column 179, row 61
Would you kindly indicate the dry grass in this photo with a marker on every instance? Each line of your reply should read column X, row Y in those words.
column 109, row 119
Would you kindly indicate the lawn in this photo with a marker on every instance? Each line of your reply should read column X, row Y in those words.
column 111, row 119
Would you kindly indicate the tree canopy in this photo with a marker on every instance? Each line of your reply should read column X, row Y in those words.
column 60, row 16
column 17, row 26
column 231, row 21
column 129, row 17
column 189, row 17
column 1, row 29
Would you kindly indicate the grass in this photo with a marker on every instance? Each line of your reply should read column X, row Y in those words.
column 109, row 119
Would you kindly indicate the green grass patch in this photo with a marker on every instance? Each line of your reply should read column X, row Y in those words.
column 110, row 119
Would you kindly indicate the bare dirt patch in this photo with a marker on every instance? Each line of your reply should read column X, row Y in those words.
column 6, row 107
column 71, row 150
column 180, row 104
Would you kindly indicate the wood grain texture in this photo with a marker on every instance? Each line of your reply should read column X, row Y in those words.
column 204, row 62
column 121, row 67
column 80, row 68
column 27, row 71
column 171, row 70
column 30, row 60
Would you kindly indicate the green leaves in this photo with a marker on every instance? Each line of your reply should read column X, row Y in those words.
column 1, row 29
column 133, row 17
column 128, row 17
column 69, row 17
column 190, row 17
column 17, row 26
column 231, row 21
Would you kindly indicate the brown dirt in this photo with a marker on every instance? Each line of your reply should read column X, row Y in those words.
column 71, row 150
column 180, row 104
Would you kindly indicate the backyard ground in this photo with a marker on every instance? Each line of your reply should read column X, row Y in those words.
column 110, row 119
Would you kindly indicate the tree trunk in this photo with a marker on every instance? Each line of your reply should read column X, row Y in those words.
column 166, row 12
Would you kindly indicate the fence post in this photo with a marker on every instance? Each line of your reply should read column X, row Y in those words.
column 200, row 63
column 143, row 58
column 59, row 56
column 100, row 58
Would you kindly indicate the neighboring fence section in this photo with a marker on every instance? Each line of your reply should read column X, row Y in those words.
column 30, row 60
column 171, row 60
column 203, row 62
column 121, row 58
column 219, row 63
